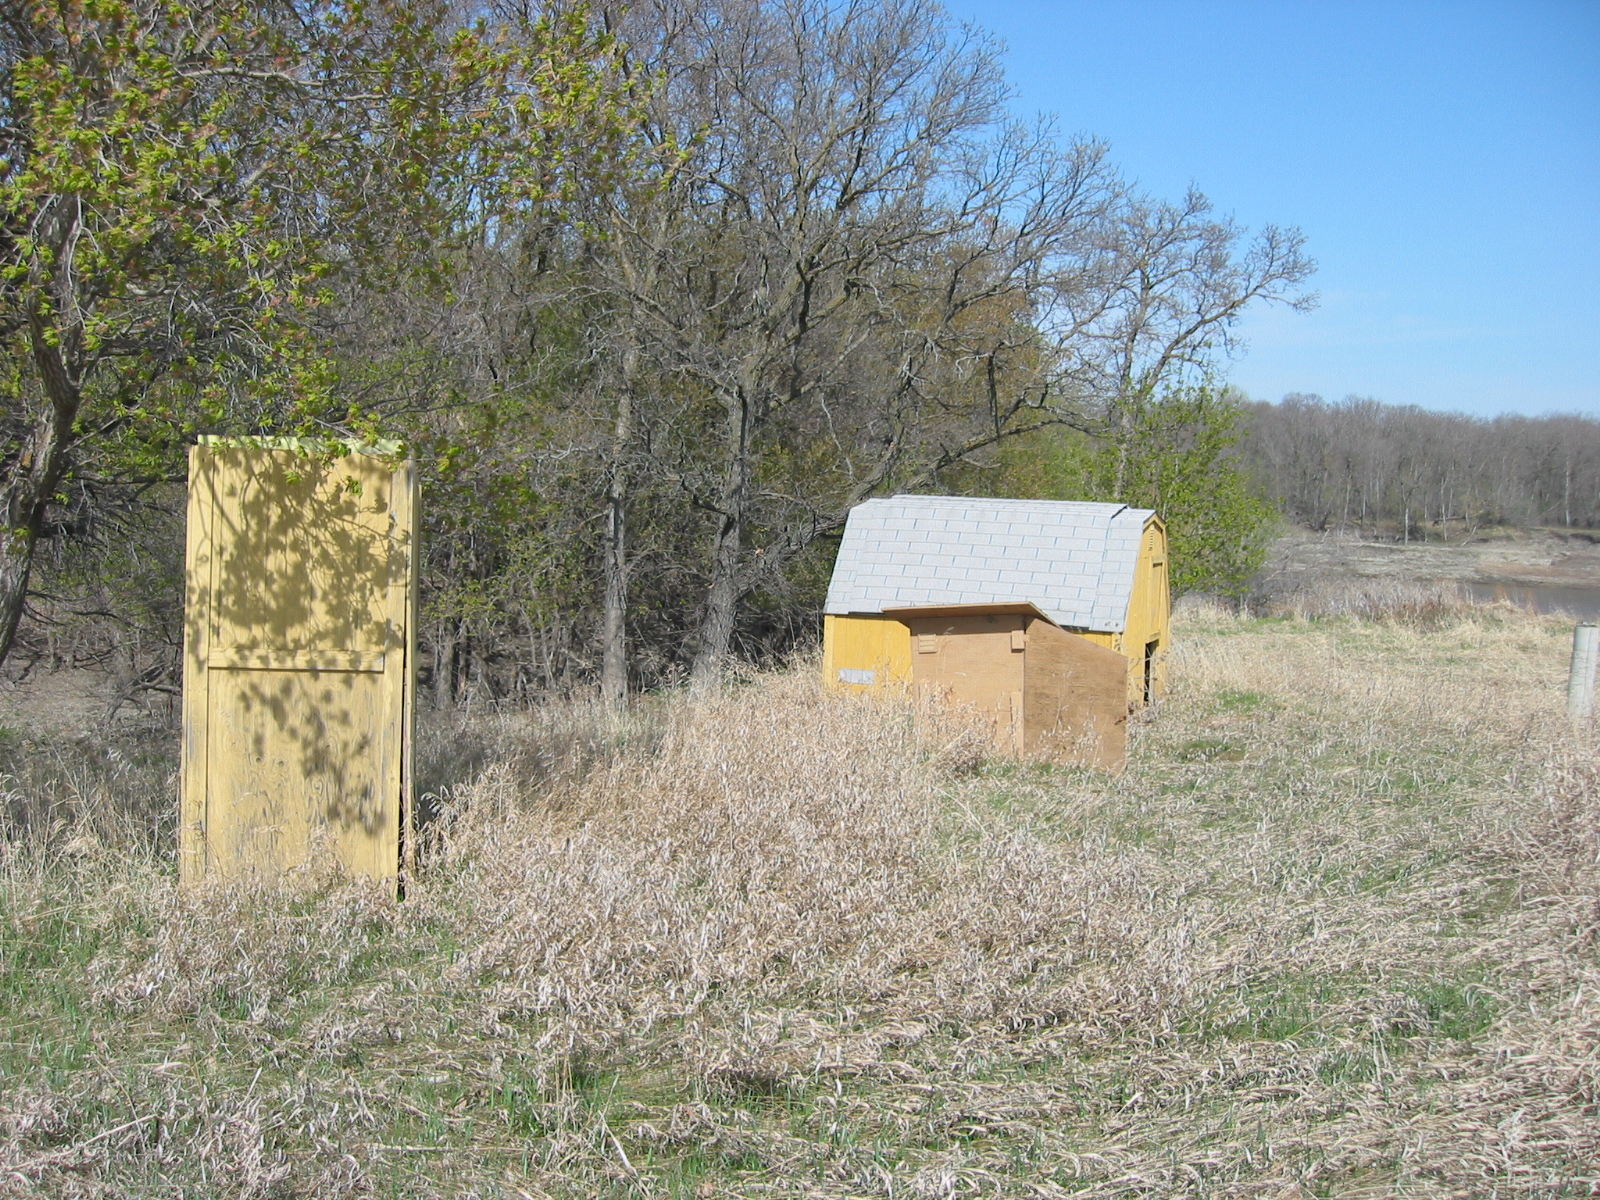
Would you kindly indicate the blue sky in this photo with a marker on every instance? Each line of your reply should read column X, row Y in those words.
column 1442, row 158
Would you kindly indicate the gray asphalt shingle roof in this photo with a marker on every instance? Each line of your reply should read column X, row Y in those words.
column 1072, row 560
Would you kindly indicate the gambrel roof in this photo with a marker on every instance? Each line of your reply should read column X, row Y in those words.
column 1072, row 560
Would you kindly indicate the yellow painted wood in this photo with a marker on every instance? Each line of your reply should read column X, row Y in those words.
column 1101, row 637
column 1149, row 619
column 408, row 787
column 879, row 644
column 298, row 659
column 1149, row 628
column 196, row 658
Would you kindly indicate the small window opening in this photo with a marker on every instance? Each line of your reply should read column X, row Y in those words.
column 1150, row 649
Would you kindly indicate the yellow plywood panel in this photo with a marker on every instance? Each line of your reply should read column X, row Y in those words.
column 1149, row 628
column 298, row 659
column 300, row 757
column 974, row 663
column 1075, row 697
column 1111, row 641
column 862, row 652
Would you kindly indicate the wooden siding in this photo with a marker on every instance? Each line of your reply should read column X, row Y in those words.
column 1037, row 691
column 1074, row 698
column 975, row 663
column 298, row 659
column 866, row 645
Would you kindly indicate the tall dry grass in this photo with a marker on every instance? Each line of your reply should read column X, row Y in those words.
column 1429, row 604
column 1332, row 933
column 113, row 790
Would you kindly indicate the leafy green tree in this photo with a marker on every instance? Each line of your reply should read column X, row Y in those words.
column 1175, row 454
column 184, row 182
column 1179, row 459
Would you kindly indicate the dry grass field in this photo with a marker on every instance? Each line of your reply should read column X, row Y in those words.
column 1333, row 933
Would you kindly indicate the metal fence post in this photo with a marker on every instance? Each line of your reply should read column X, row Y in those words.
column 1580, row 680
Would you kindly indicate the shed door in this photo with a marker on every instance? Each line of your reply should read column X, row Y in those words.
column 297, row 672
column 974, row 662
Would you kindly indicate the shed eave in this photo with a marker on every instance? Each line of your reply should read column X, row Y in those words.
column 1022, row 607
column 906, row 612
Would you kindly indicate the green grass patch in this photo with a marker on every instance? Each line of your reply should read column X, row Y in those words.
column 1243, row 700
column 1211, row 749
column 1456, row 1009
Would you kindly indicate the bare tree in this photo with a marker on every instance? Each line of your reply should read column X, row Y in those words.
column 1361, row 464
column 859, row 270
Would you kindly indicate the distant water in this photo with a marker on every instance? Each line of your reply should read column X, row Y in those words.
column 1580, row 602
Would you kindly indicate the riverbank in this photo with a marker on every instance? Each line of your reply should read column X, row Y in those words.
column 1542, row 571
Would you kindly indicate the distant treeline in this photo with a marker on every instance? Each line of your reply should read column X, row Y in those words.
column 1361, row 464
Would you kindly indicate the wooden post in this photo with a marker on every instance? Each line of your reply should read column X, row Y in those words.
column 1580, row 679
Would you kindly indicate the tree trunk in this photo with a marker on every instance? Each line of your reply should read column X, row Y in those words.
column 1124, row 435
column 614, row 631
column 444, row 654
column 722, row 602
column 16, row 564
column 29, row 482
column 722, row 598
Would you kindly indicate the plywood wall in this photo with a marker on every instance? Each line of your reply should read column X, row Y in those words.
column 1075, row 698
column 975, row 663
column 298, row 660
column 1036, row 690
column 862, row 652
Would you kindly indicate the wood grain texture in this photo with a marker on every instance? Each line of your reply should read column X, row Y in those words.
column 298, row 660
column 973, row 667
column 1075, row 699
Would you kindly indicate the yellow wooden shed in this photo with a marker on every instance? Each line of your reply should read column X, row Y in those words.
column 1053, row 617
column 298, row 651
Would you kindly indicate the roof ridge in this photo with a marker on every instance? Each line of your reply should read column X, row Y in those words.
column 1116, row 505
